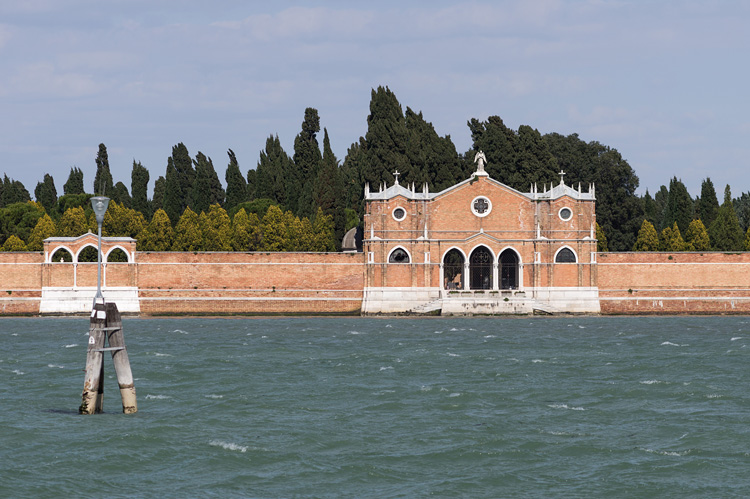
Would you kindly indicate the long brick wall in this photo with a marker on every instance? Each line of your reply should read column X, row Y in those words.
column 661, row 283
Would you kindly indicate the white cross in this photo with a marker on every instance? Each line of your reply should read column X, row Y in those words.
column 562, row 174
column 396, row 174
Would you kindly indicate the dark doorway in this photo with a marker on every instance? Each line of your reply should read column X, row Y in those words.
column 480, row 268
column 453, row 270
column 508, row 270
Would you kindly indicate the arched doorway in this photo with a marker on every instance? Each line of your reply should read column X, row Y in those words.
column 453, row 270
column 480, row 268
column 508, row 269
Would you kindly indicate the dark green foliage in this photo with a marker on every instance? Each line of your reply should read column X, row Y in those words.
column 433, row 159
column 174, row 198
column 272, row 170
column 12, row 191
column 328, row 187
column 649, row 209
column 19, row 219
column 386, row 139
column 207, row 189
column 679, row 206
column 257, row 206
column 725, row 232
column 74, row 184
column 236, row 185
column 185, row 173
column 660, row 200
column 352, row 190
column 619, row 211
column 103, row 184
column 707, row 207
column 157, row 202
column 139, row 178
column 302, row 177
column 46, row 193
column 742, row 208
column 64, row 203
column 121, row 195
column 251, row 182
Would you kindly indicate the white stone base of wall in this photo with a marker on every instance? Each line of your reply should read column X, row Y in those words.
column 489, row 302
column 80, row 300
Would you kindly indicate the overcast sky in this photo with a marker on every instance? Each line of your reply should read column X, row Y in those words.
column 663, row 82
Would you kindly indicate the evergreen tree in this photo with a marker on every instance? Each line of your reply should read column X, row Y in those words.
column 217, row 229
column 120, row 221
column 707, row 208
column 293, row 226
column 351, row 176
column 44, row 228
column 188, row 235
column 660, row 200
column 73, row 223
column 671, row 239
column 649, row 209
column 103, row 184
column 157, row 202
column 173, row 199
column 74, row 184
column 725, row 232
column 742, row 208
column 19, row 219
column 236, row 185
column 679, row 205
column 433, row 159
column 328, row 187
column 121, row 195
column 46, row 193
column 207, row 189
column 696, row 237
column 12, row 191
column 14, row 243
column 241, row 231
column 274, row 230
column 183, row 166
column 386, row 139
column 324, row 232
column 499, row 144
column 273, row 167
column 251, row 183
column 158, row 235
column 302, row 178
column 601, row 240
column 139, row 178
column 747, row 240
column 648, row 239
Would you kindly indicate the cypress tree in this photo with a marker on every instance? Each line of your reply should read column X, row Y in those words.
column 271, row 172
column 386, row 139
column 183, row 166
column 679, row 206
column 157, row 202
column 351, row 176
column 103, row 184
column 13, row 191
column 207, row 189
column 251, row 183
column 696, row 237
column 742, row 208
column 649, row 208
column 120, row 194
column 46, row 193
column 707, row 208
column 648, row 239
column 498, row 143
column 433, row 159
column 173, row 195
column 74, row 184
column 302, row 177
column 725, row 232
column 236, row 185
column 328, row 191
column 139, row 178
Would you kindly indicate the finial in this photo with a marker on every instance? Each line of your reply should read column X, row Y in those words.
column 562, row 174
column 396, row 174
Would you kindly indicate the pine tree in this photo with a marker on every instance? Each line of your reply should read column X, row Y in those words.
column 139, row 178
column 707, row 208
column 74, row 184
column 671, row 239
column 188, row 235
column 44, row 228
column 158, row 234
column 648, row 239
column 303, row 176
column 217, row 229
column 12, row 191
column 46, row 193
column 207, row 189
column 103, row 184
column 14, row 243
column 725, row 232
column 696, row 237
column 274, row 230
column 236, row 185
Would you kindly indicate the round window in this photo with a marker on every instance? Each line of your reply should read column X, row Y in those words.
column 399, row 214
column 566, row 214
column 481, row 206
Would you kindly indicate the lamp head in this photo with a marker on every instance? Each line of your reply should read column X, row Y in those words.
column 99, row 203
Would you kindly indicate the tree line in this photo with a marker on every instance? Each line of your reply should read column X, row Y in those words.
column 317, row 198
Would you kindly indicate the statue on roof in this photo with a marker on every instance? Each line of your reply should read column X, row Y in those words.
column 480, row 159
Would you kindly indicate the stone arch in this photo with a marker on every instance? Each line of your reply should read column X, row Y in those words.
column 81, row 250
column 454, row 263
column 61, row 252
column 566, row 254
column 481, row 268
column 399, row 254
column 106, row 256
column 509, row 266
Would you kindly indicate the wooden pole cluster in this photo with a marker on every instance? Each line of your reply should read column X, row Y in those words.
column 106, row 324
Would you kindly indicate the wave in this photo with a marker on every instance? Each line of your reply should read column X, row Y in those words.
column 669, row 343
column 736, row 338
column 158, row 397
column 228, row 445
column 214, row 396
column 56, row 365
column 565, row 406
column 72, row 345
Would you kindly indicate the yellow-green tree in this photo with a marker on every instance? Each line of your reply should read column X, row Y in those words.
column 671, row 239
column 246, row 232
column 648, row 239
column 120, row 221
column 696, row 237
column 601, row 239
column 188, row 236
column 158, row 235
column 747, row 240
column 14, row 243
column 293, row 227
column 323, row 230
column 44, row 228
column 274, row 230
column 73, row 223
column 217, row 229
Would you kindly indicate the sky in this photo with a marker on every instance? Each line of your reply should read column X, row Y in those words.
column 663, row 82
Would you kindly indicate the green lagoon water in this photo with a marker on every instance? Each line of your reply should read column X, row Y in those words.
column 388, row 407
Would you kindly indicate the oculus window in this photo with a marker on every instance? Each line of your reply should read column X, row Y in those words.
column 399, row 255
column 481, row 206
column 399, row 214
column 565, row 214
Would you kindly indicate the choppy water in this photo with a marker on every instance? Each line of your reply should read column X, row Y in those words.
column 352, row 407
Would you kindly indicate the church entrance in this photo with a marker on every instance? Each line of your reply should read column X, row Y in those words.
column 453, row 270
column 480, row 268
column 508, row 269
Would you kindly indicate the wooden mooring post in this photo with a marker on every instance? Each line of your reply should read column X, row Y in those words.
column 106, row 324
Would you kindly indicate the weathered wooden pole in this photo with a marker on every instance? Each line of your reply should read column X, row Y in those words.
column 93, row 382
column 120, row 358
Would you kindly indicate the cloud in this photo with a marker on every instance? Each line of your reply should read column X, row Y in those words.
column 44, row 80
